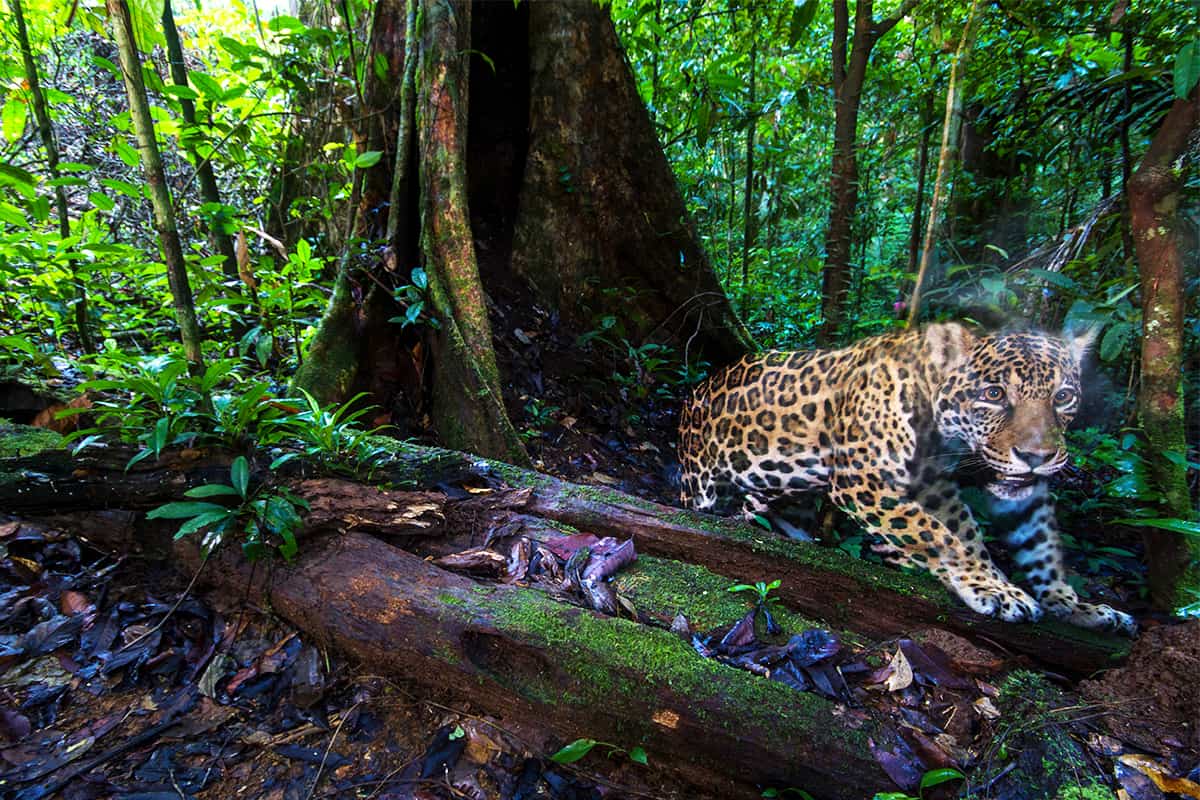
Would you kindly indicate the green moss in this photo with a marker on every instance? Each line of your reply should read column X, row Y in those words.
column 667, row 587
column 450, row 599
column 1092, row 791
column 610, row 661
column 24, row 440
column 1033, row 732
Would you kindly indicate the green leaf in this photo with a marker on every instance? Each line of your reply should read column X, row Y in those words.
column 182, row 92
column 1056, row 278
column 936, row 777
column 21, row 180
column 12, row 119
column 210, row 490
column 419, row 278
column 1187, row 68
column 264, row 345
column 1113, row 341
column 125, row 152
column 638, row 756
column 146, row 16
column 574, row 751
column 123, row 187
column 283, row 459
column 239, row 474
column 368, row 159
column 203, row 521
column 742, row 587
column 13, row 215
column 184, row 509
column 1167, row 524
column 802, row 16
column 101, row 201
column 162, row 430
column 206, row 84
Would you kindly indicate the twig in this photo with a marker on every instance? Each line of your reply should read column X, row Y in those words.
column 328, row 749
column 178, row 602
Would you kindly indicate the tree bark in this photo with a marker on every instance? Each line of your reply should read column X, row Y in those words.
column 1154, row 196
column 160, row 195
column 849, row 74
column 46, row 131
column 464, row 360
column 599, row 205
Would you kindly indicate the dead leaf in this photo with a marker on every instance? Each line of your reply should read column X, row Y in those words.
column 73, row 602
column 1157, row 773
column 900, row 675
column 986, row 708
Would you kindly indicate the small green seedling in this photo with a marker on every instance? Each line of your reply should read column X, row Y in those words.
column 581, row 747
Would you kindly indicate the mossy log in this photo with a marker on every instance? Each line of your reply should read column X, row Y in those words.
column 817, row 582
column 543, row 666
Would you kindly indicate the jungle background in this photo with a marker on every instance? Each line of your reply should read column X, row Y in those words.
column 298, row 235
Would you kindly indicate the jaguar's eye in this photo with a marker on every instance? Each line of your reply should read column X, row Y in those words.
column 1064, row 397
column 992, row 394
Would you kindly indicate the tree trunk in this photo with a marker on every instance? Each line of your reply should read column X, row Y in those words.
column 950, row 128
column 1154, row 196
column 927, row 121
column 849, row 75
column 537, row 166
column 599, row 206
column 748, row 191
column 46, row 131
column 219, row 237
column 160, row 195
column 464, row 361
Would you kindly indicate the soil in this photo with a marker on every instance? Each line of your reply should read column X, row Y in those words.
column 1152, row 700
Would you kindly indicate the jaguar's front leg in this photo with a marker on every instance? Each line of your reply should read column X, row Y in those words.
column 947, row 545
column 1031, row 531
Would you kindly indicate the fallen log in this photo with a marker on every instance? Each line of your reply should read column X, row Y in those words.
column 362, row 585
column 818, row 582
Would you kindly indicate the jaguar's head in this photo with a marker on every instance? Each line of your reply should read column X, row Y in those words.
column 1009, row 397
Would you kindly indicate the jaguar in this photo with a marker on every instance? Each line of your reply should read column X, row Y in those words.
column 876, row 426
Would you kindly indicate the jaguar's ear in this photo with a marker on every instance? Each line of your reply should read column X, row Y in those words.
column 1080, row 340
column 947, row 345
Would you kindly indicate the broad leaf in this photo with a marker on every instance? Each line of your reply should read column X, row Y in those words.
column 185, row 509
column 574, row 751
column 239, row 473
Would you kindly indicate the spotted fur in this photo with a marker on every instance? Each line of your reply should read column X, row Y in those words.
column 870, row 426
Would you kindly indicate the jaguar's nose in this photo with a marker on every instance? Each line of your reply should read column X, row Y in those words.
column 1034, row 460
